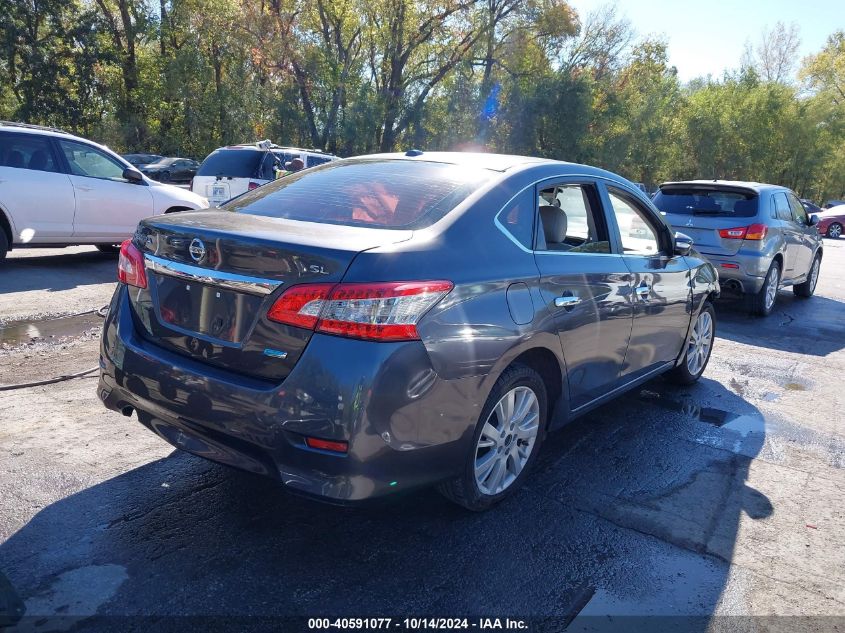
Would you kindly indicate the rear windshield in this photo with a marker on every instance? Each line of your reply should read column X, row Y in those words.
column 378, row 193
column 706, row 202
column 232, row 163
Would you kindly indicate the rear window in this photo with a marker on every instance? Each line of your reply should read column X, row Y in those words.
column 377, row 193
column 679, row 201
column 232, row 163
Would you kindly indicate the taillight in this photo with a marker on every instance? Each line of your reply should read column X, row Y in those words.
column 378, row 311
column 737, row 233
column 326, row 445
column 753, row 232
column 253, row 185
column 130, row 266
column 756, row 232
column 300, row 305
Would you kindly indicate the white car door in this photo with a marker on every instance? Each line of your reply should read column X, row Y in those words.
column 36, row 196
column 108, row 207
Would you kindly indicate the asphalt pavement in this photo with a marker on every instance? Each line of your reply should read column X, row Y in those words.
column 722, row 504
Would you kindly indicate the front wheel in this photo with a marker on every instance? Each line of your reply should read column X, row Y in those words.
column 807, row 289
column 699, row 348
column 506, row 441
column 834, row 231
column 763, row 302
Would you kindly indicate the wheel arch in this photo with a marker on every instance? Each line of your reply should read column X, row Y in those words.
column 177, row 209
column 548, row 366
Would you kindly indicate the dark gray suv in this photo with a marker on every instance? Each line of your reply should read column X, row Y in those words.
column 387, row 322
column 758, row 236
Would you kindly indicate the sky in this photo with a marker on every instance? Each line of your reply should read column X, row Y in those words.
column 709, row 36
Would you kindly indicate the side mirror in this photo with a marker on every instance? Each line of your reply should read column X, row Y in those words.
column 683, row 244
column 133, row 175
column 814, row 219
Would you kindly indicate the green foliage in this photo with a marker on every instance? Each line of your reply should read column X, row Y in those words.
column 182, row 77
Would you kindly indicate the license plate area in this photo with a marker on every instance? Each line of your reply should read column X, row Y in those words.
column 196, row 308
column 218, row 192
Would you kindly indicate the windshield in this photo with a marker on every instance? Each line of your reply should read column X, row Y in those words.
column 377, row 193
column 679, row 201
column 232, row 163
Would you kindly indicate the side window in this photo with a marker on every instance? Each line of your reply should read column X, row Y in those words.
column 85, row 160
column 782, row 209
column 639, row 235
column 518, row 218
column 571, row 221
column 799, row 213
column 26, row 151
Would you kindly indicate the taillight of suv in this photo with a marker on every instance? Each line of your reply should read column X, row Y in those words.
column 754, row 232
column 372, row 311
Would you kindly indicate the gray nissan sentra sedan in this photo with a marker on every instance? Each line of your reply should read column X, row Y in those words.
column 387, row 322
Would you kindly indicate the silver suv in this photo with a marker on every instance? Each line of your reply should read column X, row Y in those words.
column 758, row 236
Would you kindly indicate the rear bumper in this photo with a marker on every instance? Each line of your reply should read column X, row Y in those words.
column 749, row 274
column 406, row 427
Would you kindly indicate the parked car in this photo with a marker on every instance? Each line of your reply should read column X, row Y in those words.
column 171, row 169
column 758, row 236
column 57, row 189
column 831, row 222
column 139, row 160
column 410, row 329
column 230, row 171
column 833, row 203
column 810, row 207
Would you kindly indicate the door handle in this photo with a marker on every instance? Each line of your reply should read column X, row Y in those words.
column 643, row 290
column 567, row 301
column 83, row 188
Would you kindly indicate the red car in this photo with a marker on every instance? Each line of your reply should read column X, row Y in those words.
column 831, row 221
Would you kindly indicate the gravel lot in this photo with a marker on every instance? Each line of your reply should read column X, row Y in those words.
column 724, row 499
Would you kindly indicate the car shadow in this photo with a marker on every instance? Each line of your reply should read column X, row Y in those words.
column 632, row 510
column 57, row 270
column 814, row 326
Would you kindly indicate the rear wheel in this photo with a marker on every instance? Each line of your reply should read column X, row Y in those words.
column 834, row 231
column 164, row 177
column 506, row 441
column 698, row 349
column 763, row 302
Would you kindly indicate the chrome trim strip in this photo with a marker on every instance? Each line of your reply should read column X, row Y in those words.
column 232, row 281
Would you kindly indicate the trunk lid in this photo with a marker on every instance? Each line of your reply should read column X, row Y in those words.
column 702, row 210
column 212, row 276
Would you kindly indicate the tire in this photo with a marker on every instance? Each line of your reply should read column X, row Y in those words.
column 806, row 290
column 4, row 245
column 764, row 301
column 108, row 248
column 164, row 177
column 699, row 348
column 834, row 231
column 465, row 490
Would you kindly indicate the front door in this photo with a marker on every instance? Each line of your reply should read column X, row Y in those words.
column 792, row 235
column 584, row 285
column 108, row 207
column 660, row 290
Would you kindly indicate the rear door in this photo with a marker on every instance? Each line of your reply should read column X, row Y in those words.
column 33, row 190
column 660, row 286
column 584, row 284
column 808, row 233
column 791, row 232
column 108, row 207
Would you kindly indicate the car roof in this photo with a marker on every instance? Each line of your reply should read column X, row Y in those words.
column 38, row 130
column 483, row 160
column 273, row 148
column 717, row 183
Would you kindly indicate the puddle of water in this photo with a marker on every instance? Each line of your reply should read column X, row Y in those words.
column 22, row 332
column 794, row 386
column 739, row 422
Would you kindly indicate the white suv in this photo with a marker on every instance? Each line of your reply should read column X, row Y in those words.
column 57, row 189
column 230, row 171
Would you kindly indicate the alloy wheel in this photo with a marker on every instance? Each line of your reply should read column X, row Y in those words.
column 772, row 287
column 700, row 343
column 814, row 274
column 834, row 231
column 507, row 440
